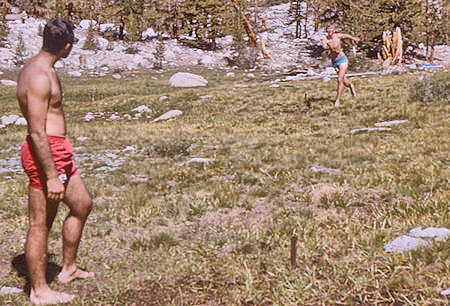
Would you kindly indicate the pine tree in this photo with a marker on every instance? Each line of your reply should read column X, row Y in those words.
column 91, row 42
column 59, row 9
column 20, row 52
column 3, row 23
column 159, row 53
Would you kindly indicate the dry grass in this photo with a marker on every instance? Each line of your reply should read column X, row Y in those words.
column 219, row 233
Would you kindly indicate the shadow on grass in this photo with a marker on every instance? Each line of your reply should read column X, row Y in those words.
column 20, row 265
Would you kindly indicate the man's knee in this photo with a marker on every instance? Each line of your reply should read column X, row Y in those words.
column 341, row 79
column 86, row 207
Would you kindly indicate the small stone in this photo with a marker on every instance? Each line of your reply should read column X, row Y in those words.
column 405, row 243
column 326, row 79
column 75, row 74
column 195, row 160
column 89, row 117
column 21, row 121
column 10, row 290
column 389, row 123
column 169, row 115
column 446, row 291
column 275, row 85
column 116, row 76
column 82, row 138
column 8, row 83
column 142, row 109
column 230, row 74
column 114, row 117
column 438, row 233
column 6, row 120
column 206, row 97
column 162, row 98
column 184, row 79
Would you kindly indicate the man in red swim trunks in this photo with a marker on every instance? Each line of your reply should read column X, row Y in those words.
column 47, row 158
column 340, row 61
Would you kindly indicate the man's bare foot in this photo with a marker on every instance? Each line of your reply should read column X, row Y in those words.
column 337, row 103
column 352, row 89
column 49, row 296
column 68, row 275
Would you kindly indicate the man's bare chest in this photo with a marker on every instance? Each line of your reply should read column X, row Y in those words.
column 55, row 92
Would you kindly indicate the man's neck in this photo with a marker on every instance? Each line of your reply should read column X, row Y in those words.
column 47, row 58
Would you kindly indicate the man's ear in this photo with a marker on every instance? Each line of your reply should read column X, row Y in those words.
column 68, row 46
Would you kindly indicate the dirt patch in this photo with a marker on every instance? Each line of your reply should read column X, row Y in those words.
column 256, row 217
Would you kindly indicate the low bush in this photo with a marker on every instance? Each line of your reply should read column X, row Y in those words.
column 430, row 89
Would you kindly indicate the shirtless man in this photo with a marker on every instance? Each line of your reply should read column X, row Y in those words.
column 340, row 61
column 47, row 158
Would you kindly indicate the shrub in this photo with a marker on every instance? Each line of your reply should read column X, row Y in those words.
column 20, row 52
column 90, row 43
column 131, row 49
column 430, row 89
column 159, row 53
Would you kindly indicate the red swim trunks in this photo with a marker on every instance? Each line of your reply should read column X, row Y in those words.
column 62, row 153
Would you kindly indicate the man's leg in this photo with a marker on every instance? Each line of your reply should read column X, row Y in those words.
column 341, row 78
column 79, row 201
column 41, row 214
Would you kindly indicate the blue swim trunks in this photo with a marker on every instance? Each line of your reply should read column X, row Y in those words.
column 340, row 60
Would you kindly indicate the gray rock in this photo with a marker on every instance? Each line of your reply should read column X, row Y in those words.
column 405, row 243
column 184, row 79
column 230, row 74
column 162, row 98
column 75, row 74
column 389, row 123
column 6, row 120
column 206, row 97
column 116, row 76
column 8, row 83
column 85, row 23
column 196, row 160
column 169, row 115
column 446, row 291
column 326, row 79
column 317, row 169
column 114, row 117
column 438, row 233
column 82, row 138
column 10, row 290
column 275, row 85
column 21, row 121
column 89, row 117
column 142, row 109
column 329, row 70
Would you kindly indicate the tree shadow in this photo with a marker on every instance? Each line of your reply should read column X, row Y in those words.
column 20, row 265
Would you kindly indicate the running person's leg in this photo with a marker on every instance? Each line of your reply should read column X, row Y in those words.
column 341, row 70
column 41, row 215
column 79, row 201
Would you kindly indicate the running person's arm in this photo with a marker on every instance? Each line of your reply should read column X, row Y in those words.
column 348, row 36
column 38, row 96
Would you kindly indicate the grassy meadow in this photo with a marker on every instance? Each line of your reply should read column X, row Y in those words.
column 167, row 232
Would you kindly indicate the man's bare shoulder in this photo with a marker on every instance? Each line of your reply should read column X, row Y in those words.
column 33, row 76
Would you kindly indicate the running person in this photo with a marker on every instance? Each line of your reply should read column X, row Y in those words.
column 47, row 158
column 340, row 61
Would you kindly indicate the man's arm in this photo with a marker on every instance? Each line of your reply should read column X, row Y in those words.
column 38, row 95
column 348, row 36
column 325, row 44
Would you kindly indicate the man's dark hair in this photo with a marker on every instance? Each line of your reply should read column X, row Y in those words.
column 57, row 33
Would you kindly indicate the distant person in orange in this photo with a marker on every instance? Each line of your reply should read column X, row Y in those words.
column 332, row 43
column 47, row 158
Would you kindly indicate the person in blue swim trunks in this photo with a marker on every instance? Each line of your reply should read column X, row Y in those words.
column 332, row 43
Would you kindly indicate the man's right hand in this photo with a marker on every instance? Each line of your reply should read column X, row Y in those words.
column 55, row 189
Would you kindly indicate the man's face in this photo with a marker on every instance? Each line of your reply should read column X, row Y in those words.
column 331, row 30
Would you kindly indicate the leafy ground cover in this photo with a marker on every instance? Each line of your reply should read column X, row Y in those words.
column 164, row 231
